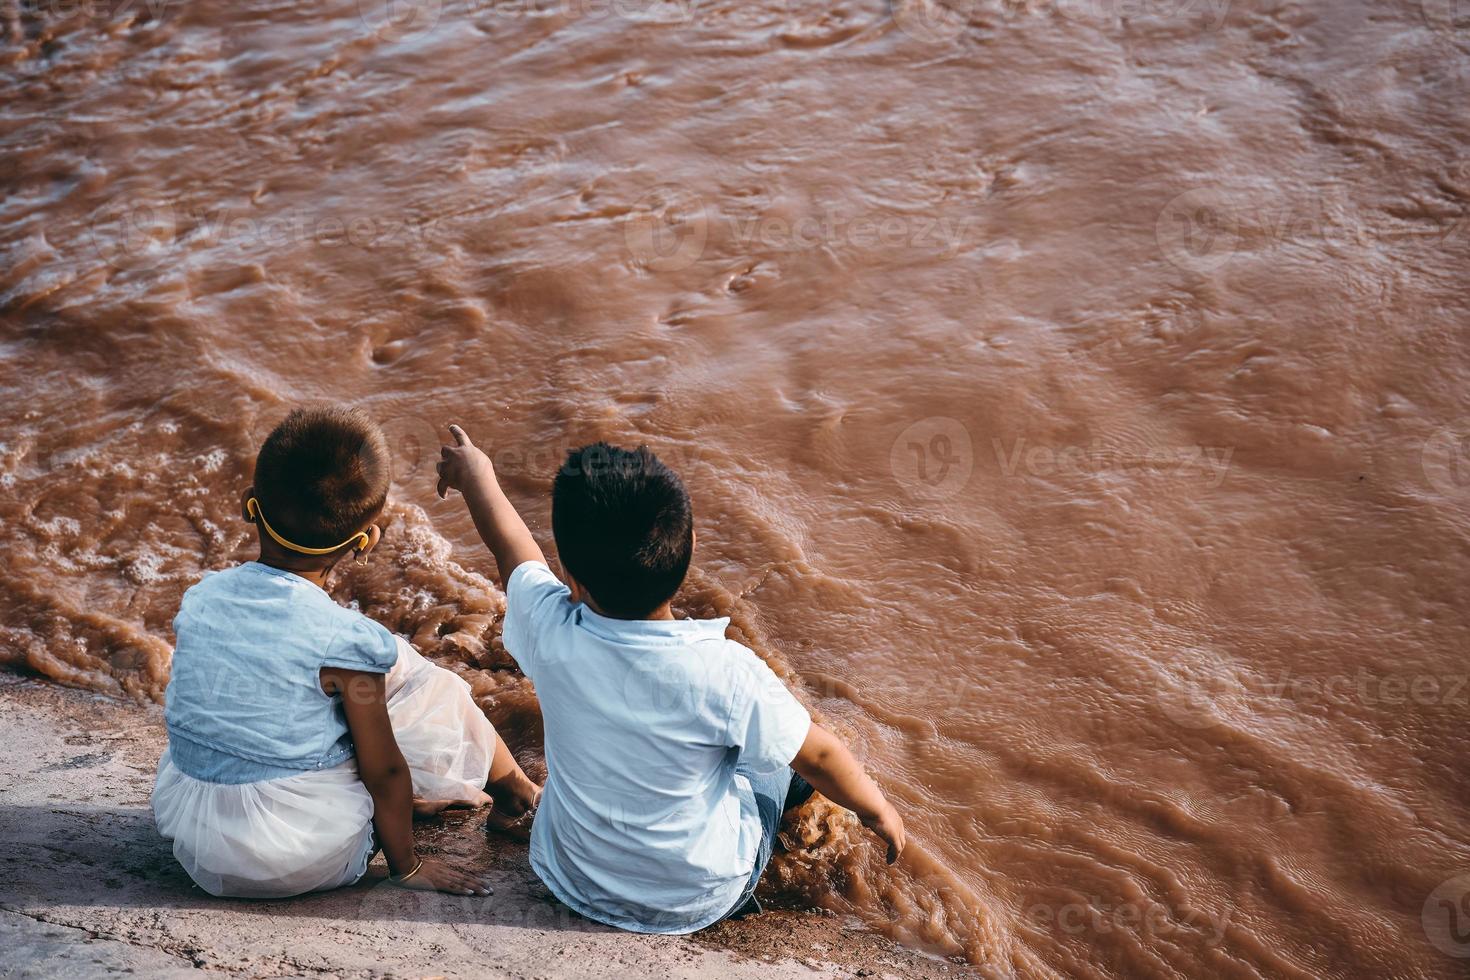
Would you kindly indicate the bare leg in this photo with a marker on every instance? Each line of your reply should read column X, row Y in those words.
column 514, row 794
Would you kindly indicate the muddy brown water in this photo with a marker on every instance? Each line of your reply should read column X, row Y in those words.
column 1073, row 395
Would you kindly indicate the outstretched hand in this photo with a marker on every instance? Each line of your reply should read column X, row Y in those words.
column 463, row 467
column 462, row 464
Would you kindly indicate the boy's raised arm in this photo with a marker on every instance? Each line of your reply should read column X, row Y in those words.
column 464, row 467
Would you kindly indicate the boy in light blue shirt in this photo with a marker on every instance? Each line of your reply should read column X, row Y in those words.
column 671, row 751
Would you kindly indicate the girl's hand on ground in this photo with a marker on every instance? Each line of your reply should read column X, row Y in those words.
column 461, row 464
column 436, row 875
column 889, row 826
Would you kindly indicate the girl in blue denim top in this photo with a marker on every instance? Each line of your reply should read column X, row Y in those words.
column 303, row 736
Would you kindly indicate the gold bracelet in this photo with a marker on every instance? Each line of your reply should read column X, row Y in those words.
column 398, row 880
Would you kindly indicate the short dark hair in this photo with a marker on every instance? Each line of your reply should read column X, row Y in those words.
column 624, row 527
column 322, row 475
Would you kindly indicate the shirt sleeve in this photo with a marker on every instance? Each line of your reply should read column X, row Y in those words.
column 767, row 725
column 362, row 644
column 533, row 599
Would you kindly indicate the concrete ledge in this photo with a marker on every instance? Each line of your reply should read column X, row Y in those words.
column 88, row 889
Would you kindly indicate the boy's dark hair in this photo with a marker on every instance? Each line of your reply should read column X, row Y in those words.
column 624, row 527
column 322, row 475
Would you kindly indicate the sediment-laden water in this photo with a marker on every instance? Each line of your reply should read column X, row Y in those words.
column 1073, row 393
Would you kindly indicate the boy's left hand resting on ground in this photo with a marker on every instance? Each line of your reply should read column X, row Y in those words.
column 465, row 467
column 828, row 765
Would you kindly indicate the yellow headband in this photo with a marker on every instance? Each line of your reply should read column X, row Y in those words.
column 252, row 507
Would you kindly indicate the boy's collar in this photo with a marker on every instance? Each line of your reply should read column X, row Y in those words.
column 671, row 631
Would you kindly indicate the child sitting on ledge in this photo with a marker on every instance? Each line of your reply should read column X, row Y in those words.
column 297, row 728
column 671, row 751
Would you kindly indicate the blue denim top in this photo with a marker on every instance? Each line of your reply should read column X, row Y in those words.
column 244, row 699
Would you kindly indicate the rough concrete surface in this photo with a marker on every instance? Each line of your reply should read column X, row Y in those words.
column 89, row 889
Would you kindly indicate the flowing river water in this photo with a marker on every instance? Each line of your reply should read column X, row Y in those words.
column 1073, row 394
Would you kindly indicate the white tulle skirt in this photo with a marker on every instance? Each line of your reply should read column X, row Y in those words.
column 313, row 831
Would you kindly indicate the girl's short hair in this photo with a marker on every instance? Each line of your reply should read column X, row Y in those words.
column 322, row 475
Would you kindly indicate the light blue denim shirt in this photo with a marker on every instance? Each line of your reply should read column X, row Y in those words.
column 244, row 699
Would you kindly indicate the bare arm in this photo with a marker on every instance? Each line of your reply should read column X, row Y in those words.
column 383, row 770
column 828, row 765
column 464, row 467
